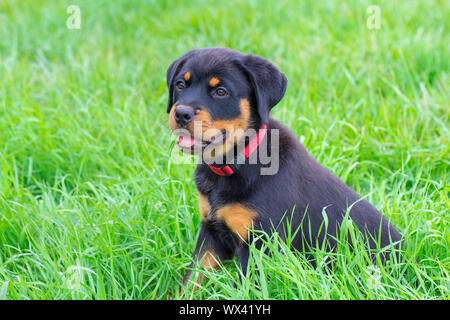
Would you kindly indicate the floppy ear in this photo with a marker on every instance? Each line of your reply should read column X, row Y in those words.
column 173, row 70
column 268, row 82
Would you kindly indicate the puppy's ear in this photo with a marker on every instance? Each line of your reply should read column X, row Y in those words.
column 172, row 72
column 269, row 83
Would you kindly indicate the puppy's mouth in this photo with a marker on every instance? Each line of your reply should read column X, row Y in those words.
column 186, row 141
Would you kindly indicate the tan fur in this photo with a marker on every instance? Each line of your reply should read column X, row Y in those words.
column 203, row 205
column 234, row 127
column 187, row 76
column 208, row 260
column 238, row 218
column 172, row 122
column 214, row 81
column 241, row 122
column 210, row 128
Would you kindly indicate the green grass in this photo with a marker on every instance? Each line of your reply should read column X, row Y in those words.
column 91, row 206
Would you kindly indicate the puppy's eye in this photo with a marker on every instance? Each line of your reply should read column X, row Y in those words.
column 180, row 85
column 221, row 92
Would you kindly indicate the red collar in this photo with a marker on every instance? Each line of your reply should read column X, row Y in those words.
column 229, row 169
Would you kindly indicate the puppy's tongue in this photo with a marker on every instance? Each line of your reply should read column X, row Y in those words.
column 186, row 141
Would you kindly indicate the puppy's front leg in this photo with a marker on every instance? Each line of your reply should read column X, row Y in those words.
column 242, row 254
column 208, row 253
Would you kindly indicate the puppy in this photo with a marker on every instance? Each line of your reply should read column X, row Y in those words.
column 219, row 104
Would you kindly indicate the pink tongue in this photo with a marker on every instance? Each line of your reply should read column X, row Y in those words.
column 186, row 141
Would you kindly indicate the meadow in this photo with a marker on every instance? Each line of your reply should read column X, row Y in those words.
column 91, row 206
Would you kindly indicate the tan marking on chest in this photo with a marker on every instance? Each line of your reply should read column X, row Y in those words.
column 203, row 205
column 238, row 218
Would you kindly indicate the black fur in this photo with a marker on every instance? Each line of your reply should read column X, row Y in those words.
column 302, row 186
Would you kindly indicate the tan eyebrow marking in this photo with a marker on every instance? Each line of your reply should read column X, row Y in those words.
column 214, row 82
column 187, row 76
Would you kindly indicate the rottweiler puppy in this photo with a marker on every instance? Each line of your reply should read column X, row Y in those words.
column 219, row 104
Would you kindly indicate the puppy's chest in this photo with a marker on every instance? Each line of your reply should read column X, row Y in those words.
column 238, row 217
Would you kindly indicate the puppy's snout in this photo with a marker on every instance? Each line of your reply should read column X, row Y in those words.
column 183, row 115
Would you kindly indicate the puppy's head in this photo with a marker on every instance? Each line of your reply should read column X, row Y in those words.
column 216, row 95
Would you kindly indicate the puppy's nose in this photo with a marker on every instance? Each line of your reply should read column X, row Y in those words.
column 183, row 115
